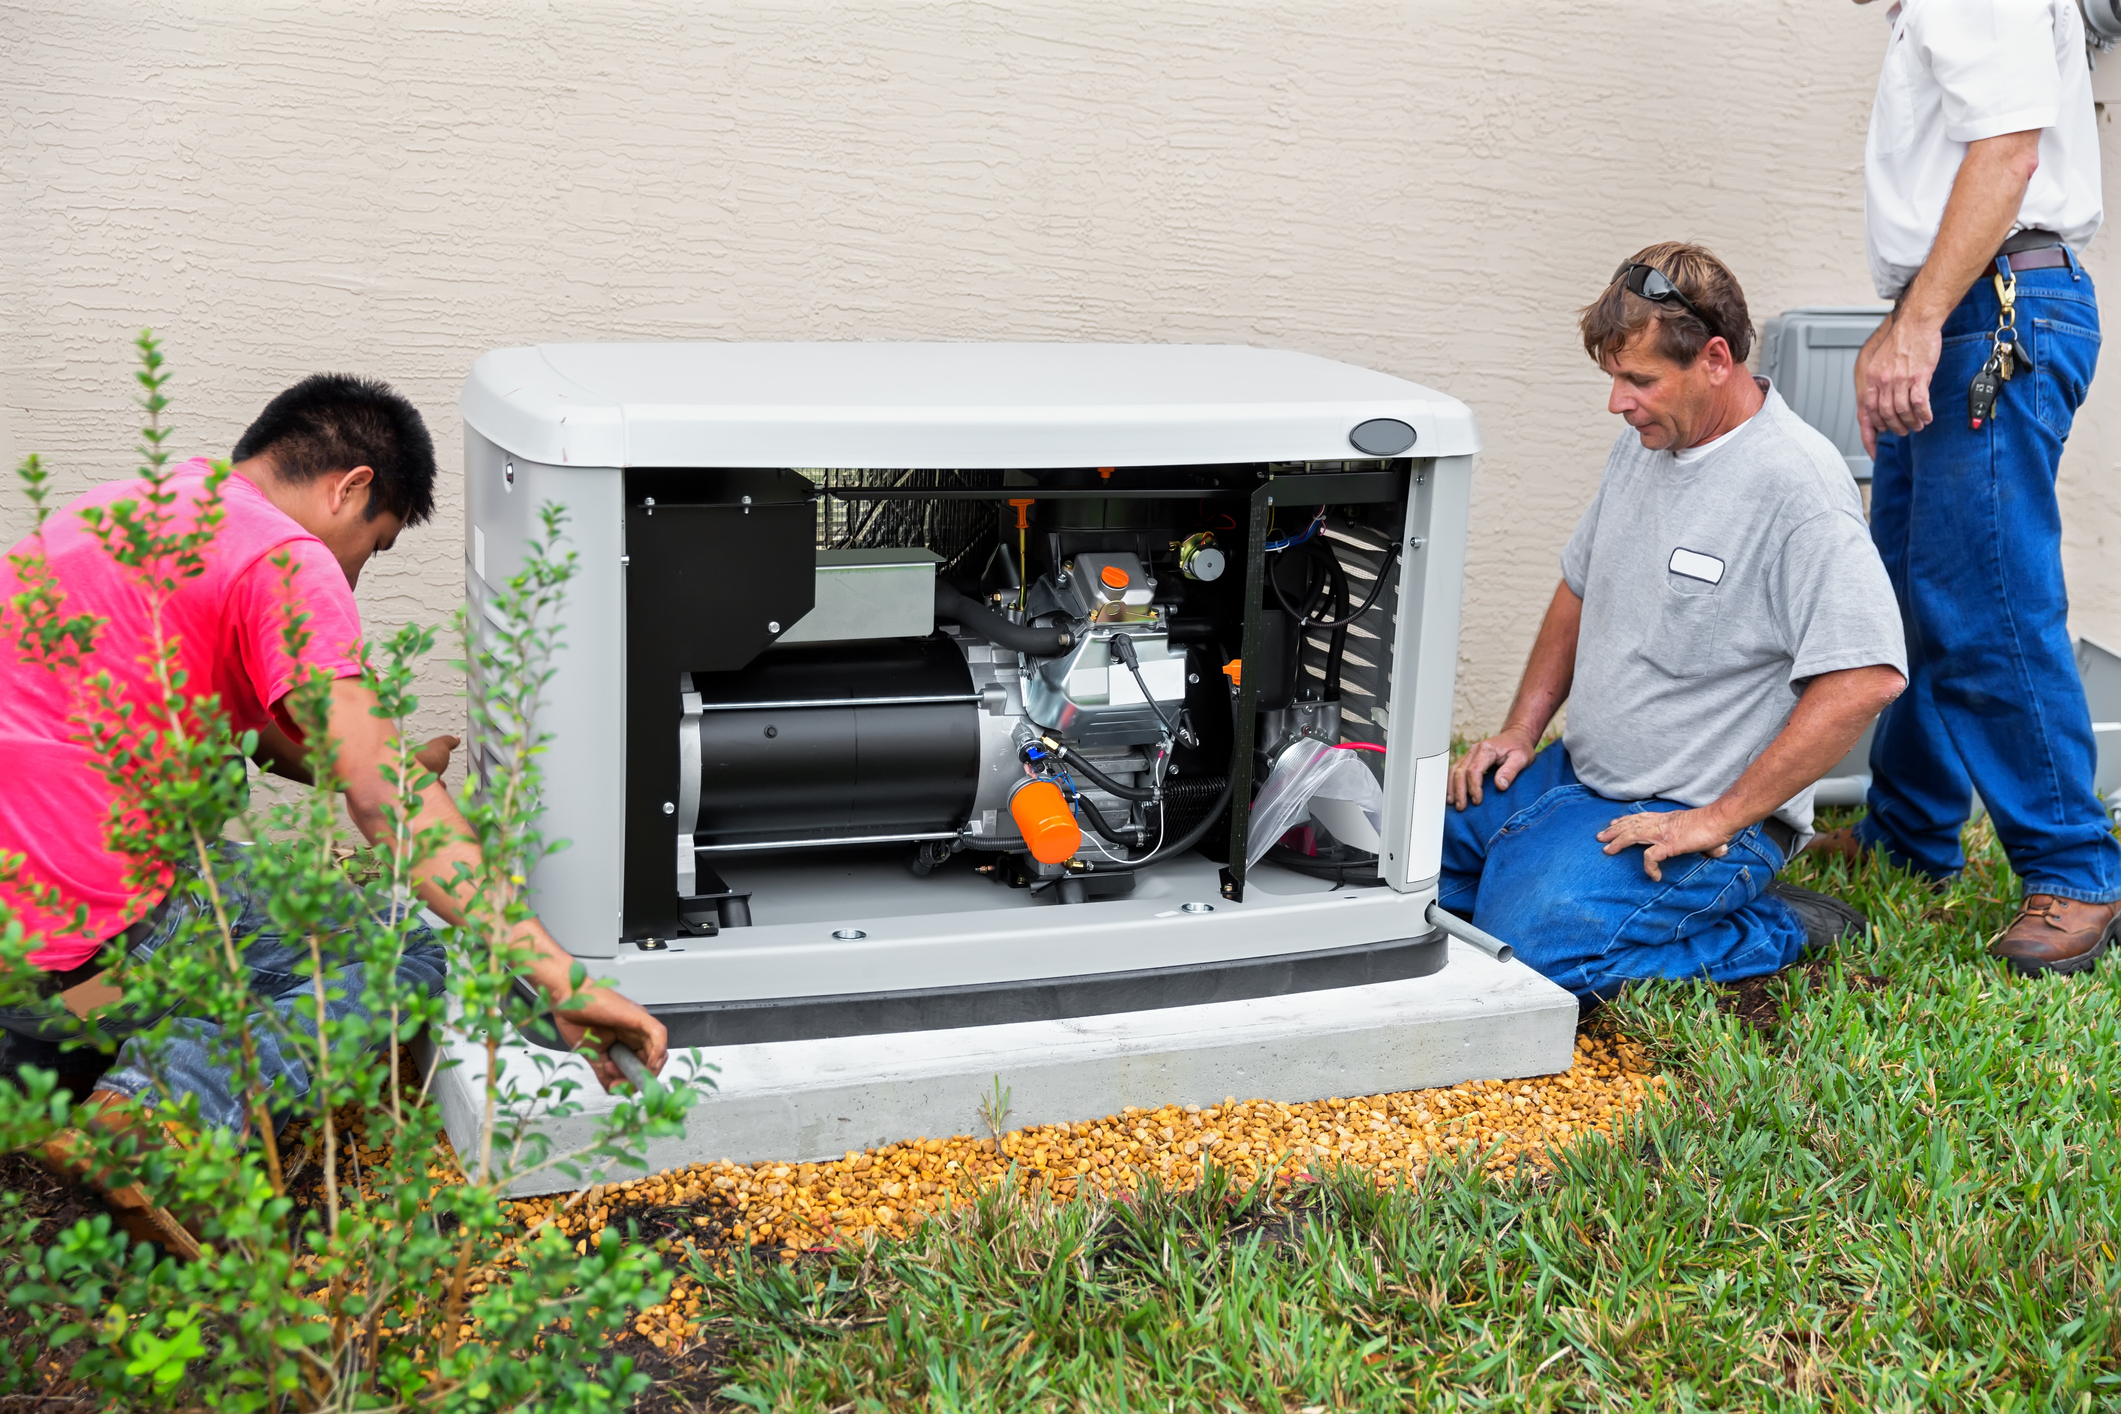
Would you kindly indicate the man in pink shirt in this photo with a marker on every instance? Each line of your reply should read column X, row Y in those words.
column 329, row 474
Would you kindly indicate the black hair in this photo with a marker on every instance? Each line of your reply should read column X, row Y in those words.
column 335, row 422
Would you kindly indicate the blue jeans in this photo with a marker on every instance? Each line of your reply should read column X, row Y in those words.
column 279, row 977
column 1526, row 865
column 1971, row 535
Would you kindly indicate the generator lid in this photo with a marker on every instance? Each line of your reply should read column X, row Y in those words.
column 948, row 405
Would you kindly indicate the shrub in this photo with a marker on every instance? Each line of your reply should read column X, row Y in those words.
column 334, row 1276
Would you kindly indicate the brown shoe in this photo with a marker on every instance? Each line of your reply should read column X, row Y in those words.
column 2058, row 935
column 67, row 1155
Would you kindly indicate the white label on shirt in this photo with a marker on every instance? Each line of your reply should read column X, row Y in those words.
column 1695, row 565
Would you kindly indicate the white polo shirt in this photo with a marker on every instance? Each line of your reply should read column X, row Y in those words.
column 1957, row 71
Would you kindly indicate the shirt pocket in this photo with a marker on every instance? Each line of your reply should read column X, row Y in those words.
column 2064, row 357
column 1682, row 642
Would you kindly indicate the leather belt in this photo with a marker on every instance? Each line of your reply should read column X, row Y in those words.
column 2034, row 250
column 1781, row 832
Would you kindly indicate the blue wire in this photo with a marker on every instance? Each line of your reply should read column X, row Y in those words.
column 1309, row 531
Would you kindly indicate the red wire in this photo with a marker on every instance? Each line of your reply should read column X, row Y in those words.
column 1358, row 746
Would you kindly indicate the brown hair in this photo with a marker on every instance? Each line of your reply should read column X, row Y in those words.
column 1611, row 322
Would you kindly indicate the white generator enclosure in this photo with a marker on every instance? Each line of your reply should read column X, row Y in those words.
column 910, row 687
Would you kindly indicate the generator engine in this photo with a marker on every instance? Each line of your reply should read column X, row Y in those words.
column 1037, row 726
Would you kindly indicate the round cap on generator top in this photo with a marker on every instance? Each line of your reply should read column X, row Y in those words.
column 1381, row 437
column 1113, row 576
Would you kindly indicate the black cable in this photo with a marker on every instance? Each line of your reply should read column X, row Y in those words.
column 1123, row 649
column 1337, row 642
column 1075, row 762
column 1314, row 598
column 1375, row 590
column 1172, row 848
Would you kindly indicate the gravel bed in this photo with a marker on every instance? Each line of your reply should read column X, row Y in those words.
column 792, row 1208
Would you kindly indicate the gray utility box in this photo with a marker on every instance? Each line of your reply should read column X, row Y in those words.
column 843, row 610
column 2100, row 669
column 1810, row 355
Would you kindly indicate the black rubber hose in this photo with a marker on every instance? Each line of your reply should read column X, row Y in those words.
column 1376, row 589
column 1077, row 764
column 1171, row 848
column 1096, row 818
column 952, row 607
column 1337, row 642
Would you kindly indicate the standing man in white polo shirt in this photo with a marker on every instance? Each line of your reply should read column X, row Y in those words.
column 1981, row 185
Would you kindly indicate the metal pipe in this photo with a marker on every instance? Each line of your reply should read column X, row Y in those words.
column 1466, row 933
column 630, row 1065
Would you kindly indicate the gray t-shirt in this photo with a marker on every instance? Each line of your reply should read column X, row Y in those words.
column 1713, row 589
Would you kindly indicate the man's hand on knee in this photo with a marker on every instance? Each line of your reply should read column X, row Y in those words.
column 1506, row 753
column 1666, row 833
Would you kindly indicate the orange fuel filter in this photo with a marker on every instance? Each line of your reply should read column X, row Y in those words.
column 1041, row 812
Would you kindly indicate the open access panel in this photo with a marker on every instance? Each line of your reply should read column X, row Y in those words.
column 907, row 687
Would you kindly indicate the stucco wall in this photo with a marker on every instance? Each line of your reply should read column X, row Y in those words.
column 1429, row 188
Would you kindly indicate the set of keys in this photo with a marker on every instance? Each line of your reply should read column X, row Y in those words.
column 2005, row 355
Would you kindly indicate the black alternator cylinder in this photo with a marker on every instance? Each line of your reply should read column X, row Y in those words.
column 840, row 741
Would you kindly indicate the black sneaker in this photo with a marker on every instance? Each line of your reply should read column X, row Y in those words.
column 1826, row 919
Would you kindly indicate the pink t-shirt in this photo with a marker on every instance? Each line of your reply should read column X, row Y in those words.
column 55, row 805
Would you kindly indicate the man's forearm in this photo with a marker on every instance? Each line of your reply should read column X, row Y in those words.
column 1986, row 194
column 443, row 887
column 1550, row 671
column 1826, row 723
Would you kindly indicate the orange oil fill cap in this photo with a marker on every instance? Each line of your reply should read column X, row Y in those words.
column 1113, row 576
column 1041, row 812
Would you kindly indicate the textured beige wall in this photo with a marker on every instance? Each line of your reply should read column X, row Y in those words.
column 1430, row 188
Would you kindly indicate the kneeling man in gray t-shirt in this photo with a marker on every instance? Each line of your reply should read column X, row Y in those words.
column 1722, row 632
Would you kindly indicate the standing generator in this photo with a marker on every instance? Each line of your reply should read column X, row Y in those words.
column 907, row 687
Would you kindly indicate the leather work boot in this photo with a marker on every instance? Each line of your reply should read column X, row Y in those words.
column 1826, row 919
column 67, row 1155
column 2057, row 935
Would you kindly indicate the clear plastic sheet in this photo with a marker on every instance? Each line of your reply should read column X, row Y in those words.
column 1311, row 771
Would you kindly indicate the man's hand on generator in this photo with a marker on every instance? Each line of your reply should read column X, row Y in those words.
column 613, row 1020
column 1506, row 753
column 1664, row 834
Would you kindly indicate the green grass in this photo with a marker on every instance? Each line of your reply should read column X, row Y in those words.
column 1900, row 1197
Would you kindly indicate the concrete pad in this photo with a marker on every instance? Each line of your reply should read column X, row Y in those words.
column 1477, row 1019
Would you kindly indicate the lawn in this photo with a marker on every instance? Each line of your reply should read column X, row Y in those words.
column 1886, row 1180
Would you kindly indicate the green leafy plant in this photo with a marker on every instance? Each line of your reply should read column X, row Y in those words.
column 341, row 1268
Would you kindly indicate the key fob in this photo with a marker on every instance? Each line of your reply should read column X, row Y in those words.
column 1981, row 395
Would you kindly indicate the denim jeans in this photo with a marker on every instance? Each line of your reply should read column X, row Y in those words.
column 1526, row 865
column 1969, row 529
column 279, row 978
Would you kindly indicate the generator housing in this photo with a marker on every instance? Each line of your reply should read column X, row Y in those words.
column 905, row 687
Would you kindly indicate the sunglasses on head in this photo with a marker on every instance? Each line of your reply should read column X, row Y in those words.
column 1654, row 285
